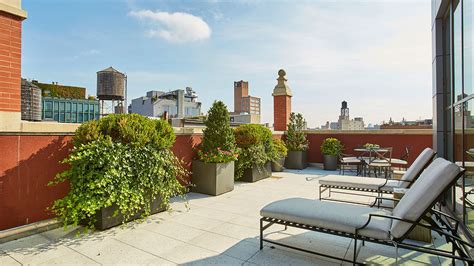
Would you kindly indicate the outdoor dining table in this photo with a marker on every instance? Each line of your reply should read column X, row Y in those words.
column 366, row 155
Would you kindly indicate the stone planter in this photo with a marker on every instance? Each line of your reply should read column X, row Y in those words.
column 330, row 162
column 278, row 165
column 213, row 178
column 105, row 219
column 296, row 160
column 257, row 173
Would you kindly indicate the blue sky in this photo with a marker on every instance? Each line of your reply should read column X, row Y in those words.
column 374, row 54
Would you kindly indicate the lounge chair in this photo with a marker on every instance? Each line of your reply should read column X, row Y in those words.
column 373, row 184
column 381, row 226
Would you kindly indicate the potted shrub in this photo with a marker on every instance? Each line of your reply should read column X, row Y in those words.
column 296, row 143
column 256, row 151
column 213, row 169
column 121, row 168
column 331, row 148
column 281, row 152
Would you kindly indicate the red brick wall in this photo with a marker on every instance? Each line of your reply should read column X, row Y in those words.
column 281, row 112
column 10, row 62
column 398, row 142
column 28, row 163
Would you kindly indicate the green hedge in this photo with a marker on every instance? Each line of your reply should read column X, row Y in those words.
column 62, row 91
column 120, row 160
column 256, row 147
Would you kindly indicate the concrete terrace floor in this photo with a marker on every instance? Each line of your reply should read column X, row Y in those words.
column 222, row 230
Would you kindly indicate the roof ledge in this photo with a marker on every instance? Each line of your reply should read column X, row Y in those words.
column 13, row 7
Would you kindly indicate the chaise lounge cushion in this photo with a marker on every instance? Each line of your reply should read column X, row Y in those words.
column 372, row 183
column 424, row 192
column 329, row 215
column 417, row 166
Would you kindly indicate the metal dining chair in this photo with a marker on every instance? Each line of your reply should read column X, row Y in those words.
column 381, row 162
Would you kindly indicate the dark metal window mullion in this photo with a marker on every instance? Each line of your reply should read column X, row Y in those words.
column 453, row 121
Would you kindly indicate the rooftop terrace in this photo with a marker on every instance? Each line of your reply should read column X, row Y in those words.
column 221, row 230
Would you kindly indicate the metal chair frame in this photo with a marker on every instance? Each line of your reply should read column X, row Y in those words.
column 441, row 224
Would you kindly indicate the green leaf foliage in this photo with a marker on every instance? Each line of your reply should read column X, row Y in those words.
column 120, row 160
column 132, row 129
column 295, row 136
column 256, row 147
column 331, row 146
column 62, row 91
column 218, row 143
column 280, row 147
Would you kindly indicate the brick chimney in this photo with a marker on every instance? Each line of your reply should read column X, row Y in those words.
column 11, row 17
column 281, row 103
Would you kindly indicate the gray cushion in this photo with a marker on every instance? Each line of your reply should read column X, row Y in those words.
column 417, row 167
column 353, row 181
column 379, row 183
column 429, row 186
column 329, row 215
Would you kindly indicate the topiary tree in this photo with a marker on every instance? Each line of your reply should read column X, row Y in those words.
column 295, row 137
column 218, row 144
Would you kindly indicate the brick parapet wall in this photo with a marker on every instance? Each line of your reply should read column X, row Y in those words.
column 10, row 62
column 30, row 160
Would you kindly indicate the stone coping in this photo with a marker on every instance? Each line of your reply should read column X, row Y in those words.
column 13, row 7
column 372, row 132
column 54, row 128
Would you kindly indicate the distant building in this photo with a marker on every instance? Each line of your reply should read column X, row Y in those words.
column 69, row 110
column 178, row 104
column 64, row 103
column 245, row 119
column 345, row 123
column 54, row 89
column 244, row 104
column 405, row 124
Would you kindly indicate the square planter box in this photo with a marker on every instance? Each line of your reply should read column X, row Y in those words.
column 296, row 160
column 213, row 178
column 257, row 173
column 279, row 165
column 105, row 219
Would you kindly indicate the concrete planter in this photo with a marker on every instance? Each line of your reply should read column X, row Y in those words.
column 278, row 165
column 257, row 173
column 296, row 160
column 213, row 178
column 330, row 162
column 105, row 219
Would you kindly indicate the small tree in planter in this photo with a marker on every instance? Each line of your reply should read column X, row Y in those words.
column 121, row 168
column 296, row 143
column 213, row 170
column 256, row 152
column 281, row 152
column 331, row 149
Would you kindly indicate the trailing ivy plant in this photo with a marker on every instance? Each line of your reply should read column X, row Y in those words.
column 218, row 143
column 295, row 137
column 120, row 160
column 256, row 148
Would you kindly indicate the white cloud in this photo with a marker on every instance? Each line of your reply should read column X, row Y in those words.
column 175, row 27
column 90, row 52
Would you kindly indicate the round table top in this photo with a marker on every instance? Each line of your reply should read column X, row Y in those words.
column 370, row 149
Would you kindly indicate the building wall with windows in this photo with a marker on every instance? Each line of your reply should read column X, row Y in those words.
column 69, row 110
column 453, row 98
column 155, row 103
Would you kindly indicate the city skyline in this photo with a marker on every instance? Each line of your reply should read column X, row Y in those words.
column 210, row 44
